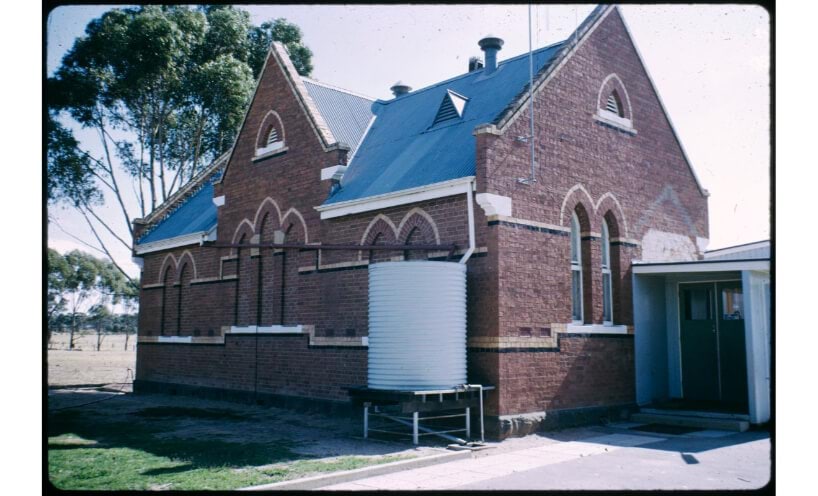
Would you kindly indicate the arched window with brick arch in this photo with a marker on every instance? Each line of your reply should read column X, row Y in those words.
column 611, row 265
column 270, row 137
column 614, row 105
column 417, row 228
column 576, row 270
column 607, row 291
column 582, row 277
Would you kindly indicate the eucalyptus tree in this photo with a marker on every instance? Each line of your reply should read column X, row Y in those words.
column 164, row 88
column 77, row 280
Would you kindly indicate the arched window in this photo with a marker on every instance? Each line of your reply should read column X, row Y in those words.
column 607, row 291
column 576, row 271
column 614, row 106
column 271, row 135
column 271, row 143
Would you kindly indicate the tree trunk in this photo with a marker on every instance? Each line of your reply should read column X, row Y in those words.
column 99, row 334
column 127, row 334
column 71, row 332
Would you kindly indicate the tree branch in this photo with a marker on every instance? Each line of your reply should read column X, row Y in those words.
column 104, row 248
column 56, row 222
column 87, row 208
column 116, row 190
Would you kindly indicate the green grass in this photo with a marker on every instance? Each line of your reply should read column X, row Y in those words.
column 143, row 451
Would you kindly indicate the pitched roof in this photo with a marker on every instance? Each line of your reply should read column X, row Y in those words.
column 196, row 214
column 403, row 149
column 347, row 114
column 187, row 211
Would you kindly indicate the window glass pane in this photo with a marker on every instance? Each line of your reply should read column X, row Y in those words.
column 606, row 297
column 574, row 238
column 697, row 304
column 606, row 246
column 732, row 304
column 576, row 295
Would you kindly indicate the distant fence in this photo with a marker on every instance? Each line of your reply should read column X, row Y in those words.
column 87, row 341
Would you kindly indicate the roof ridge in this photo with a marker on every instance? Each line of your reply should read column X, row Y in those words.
column 337, row 88
column 445, row 81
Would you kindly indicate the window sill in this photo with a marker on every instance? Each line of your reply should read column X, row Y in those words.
column 274, row 329
column 271, row 153
column 596, row 329
column 613, row 120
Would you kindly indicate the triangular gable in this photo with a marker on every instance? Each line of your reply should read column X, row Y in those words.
column 322, row 130
column 573, row 43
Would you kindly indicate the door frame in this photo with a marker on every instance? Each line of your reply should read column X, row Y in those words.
column 714, row 282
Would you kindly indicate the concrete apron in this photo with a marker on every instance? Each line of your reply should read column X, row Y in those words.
column 319, row 481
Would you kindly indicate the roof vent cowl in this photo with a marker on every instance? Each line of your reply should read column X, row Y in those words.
column 399, row 89
column 490, row 45
column 475, row 64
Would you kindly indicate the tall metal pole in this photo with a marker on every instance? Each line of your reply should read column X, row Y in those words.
column 531, row 92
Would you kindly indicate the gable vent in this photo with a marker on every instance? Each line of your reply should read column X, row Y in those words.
column 612, row 105
column 451, row 108
column 272, row 137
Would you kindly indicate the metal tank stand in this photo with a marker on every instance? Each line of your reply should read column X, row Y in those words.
column 426, row 405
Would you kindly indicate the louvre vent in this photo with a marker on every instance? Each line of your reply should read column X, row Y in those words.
column 612, row 105
column 451, row 108
column 272, row 137
column 446, row 111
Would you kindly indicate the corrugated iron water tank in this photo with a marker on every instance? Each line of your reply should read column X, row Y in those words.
column 417, row 325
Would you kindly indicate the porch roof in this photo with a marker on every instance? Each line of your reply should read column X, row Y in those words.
column 700, row 266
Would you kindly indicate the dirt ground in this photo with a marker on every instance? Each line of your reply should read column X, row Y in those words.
column 79, row 367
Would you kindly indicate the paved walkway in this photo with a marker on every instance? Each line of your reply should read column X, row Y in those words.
column 524, row 468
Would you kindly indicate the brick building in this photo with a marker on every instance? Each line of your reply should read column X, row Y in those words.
column 550, row 311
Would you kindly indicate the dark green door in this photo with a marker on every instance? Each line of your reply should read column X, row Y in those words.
column 732, row 351
column 700, row 367
column 714, row 358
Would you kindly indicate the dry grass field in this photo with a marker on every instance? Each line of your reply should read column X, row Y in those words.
column 82, row 366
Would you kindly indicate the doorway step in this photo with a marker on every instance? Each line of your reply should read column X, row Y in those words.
column 689, row 418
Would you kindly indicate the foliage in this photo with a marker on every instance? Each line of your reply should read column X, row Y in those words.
column 76, row 279
column 165, row 89
column 68, row 170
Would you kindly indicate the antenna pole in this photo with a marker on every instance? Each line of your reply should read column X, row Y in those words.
column 531, row 90
column 531, row 178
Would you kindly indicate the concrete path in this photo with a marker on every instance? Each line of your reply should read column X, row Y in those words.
column 614, row 458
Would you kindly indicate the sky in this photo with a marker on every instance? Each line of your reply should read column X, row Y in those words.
column 710, row 64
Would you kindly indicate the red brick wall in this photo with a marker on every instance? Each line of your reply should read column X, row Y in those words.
column 586, row 372
column 534, row 276
column 284, row 364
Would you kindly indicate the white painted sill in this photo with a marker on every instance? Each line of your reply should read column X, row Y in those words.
column 275, row 329
column 614, row 120
column 175, row 339
column 263, row 153
column 597, row 329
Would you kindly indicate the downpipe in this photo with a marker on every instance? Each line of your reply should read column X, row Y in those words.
column 470, row 206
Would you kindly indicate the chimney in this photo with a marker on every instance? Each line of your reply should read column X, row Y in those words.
column 399, row 89
column 475, row 64
column 490, row 45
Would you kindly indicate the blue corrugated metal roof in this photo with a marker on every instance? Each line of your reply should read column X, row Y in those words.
column 196, row 214
column 401, row 150
column 346, row 114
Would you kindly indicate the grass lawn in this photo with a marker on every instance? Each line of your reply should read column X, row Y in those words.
column 143, row 450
